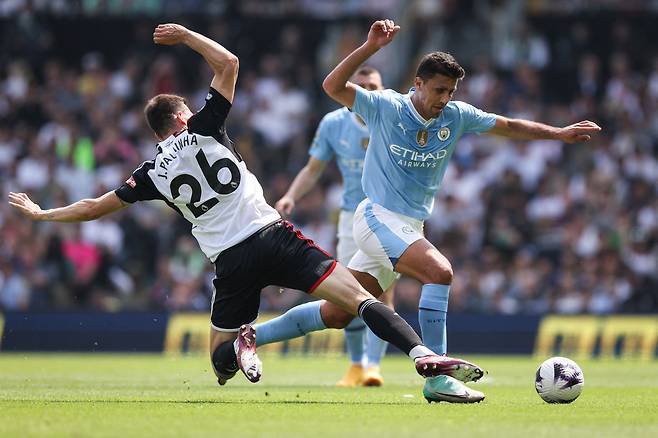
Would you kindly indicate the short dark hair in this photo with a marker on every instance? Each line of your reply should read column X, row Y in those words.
column 366, row 70
column 159, row 111
column 439, row 63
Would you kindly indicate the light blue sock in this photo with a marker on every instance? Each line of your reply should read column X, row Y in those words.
column 355, row 338
column 432, row 312
column 375, row 350
column 296, row 322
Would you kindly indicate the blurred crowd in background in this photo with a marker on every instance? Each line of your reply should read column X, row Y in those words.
column 530, row 227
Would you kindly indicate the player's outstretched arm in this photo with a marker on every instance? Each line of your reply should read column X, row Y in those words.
column 303, row 182
column 223, row 63
column 84, row 210
column 337, row 84
column 529, row 130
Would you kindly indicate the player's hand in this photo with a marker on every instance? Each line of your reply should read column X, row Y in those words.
column 169, row 34
column 285, row 205
column 24, row 204
column 382, row 32
column 579, row 132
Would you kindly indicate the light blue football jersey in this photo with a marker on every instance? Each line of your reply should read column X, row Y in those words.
column 408, row 155
column 341, row 134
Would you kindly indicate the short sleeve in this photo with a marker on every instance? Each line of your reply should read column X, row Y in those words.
column 210, row 119
column 475, row 120
column 321, row 146
column 367, row 103
column 139, row 186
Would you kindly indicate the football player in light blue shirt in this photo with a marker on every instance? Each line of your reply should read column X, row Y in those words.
column 412, row 138
column 344, row 135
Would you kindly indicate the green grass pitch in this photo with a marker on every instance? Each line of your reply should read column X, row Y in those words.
column 153, row 395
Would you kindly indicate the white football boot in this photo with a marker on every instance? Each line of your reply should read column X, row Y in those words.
column 449, row 389
column 245, row 352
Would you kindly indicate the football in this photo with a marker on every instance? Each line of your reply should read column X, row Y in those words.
column 559, row 380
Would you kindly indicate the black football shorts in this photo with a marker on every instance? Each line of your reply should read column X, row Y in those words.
column 275, row 255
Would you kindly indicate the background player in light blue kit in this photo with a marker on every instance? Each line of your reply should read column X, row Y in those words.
column 343, row 134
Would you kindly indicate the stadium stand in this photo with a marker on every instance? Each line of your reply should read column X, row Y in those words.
column 530, row 227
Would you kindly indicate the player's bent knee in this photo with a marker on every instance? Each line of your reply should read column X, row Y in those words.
column 217, row 338
column 335, row 317
column 441, row 274
column 341, row 321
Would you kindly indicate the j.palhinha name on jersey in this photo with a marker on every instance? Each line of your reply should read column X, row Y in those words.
column 175, row 146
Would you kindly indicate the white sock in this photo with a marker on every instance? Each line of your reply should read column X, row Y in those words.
column 420, row 351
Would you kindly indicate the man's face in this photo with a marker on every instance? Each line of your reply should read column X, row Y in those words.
column 370, row 82
column 434, row 93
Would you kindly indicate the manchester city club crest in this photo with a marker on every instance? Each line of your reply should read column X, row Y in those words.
column 443, row 133
column 364, row 142
column 421, row 137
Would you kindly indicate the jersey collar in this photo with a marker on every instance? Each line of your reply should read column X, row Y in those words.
column 414, row 112
column 171, row 137
column 358, row 122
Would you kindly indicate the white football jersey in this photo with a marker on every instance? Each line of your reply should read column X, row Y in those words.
column 199, row 173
